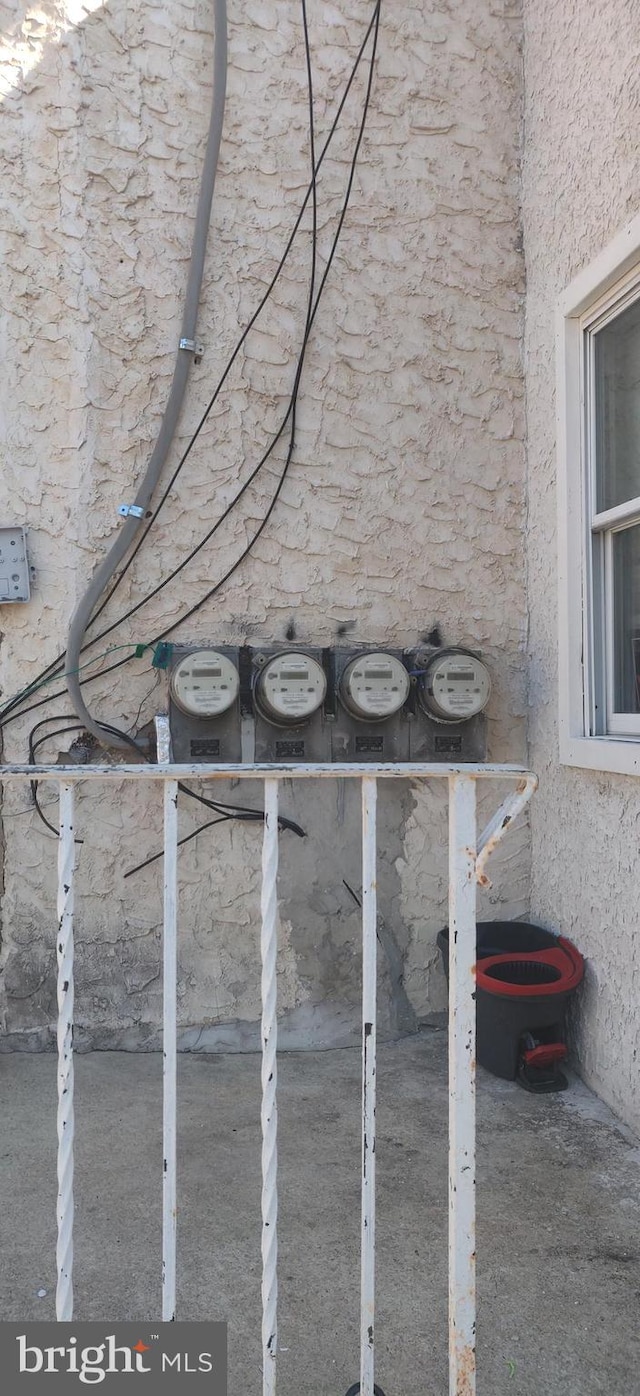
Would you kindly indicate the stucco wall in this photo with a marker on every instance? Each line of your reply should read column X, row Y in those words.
column 581, row 184
column 405, row 503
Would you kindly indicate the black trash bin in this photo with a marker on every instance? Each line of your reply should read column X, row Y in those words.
column 525, row 977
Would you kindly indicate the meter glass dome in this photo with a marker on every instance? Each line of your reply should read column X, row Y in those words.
column 205, row 683
column 374, row 686
column 290, row 688
column 456, row 686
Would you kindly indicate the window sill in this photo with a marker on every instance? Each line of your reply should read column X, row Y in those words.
column 620, row 755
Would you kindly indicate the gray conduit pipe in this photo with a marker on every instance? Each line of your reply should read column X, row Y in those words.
column 118, row 550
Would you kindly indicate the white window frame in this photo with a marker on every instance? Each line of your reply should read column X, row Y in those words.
column 600, row 292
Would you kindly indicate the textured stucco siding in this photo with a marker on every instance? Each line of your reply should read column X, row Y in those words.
column 405, row 504
column 581, row 185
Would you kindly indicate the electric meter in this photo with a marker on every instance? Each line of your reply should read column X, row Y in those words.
column 455, row 686
column 204, row 683
column 290, row 687
column 374, row 686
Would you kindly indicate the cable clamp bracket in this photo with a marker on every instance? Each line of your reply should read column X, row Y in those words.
column 193, row 346
column 134, row 510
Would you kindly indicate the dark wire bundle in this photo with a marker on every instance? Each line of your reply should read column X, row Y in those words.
column 20, row 705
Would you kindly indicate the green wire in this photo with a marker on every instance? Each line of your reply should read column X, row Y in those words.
column 138, row 651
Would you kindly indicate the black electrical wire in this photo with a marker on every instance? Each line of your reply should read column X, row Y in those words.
column 169, row 630
column 55, row 717
column 243, row 812
column 212, row 591
column 248, row 815
column 311, row 192
column 238, row 811
column 75, row 727
column 41, row 815
column 8, row 713
column 312, row 157
column 230, row 811
column 291, row 410
column 227, row 811
column 61, row 693
column 312, row 309
column 193, row 835
column 34, row 747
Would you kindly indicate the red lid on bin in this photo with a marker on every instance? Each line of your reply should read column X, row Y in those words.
column 536, row 974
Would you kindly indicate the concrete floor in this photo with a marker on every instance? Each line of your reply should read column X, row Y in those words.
column 558, row 1200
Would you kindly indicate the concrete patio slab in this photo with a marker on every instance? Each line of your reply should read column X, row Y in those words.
column 558, row 1203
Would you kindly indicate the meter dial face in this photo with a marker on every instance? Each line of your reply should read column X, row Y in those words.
column 456, row 686
column 290, row 688
column 205, row 683
column 374, row 686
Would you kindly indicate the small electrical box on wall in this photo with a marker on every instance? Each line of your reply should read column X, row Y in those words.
column 14, row 565
column 292, row 704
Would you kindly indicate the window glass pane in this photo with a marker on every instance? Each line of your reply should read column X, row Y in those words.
column 617, row 371
column 626, row 620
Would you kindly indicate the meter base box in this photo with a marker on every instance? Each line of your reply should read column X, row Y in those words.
column 332, row 733
column 373, row 741
column 437, row 738
column 409, row 735
column 356, row 738
column 431, row 740
column 308, row 740
column 206, row 739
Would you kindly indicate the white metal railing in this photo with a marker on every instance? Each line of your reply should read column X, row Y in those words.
column 467, row 869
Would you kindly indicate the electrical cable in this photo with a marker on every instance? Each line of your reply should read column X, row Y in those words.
column 212, row 591
column 156, row 681
column 126, row 535
column 193, row 835
column 228, row 811
column 21, row 813
column 40, row 682
column 243, row 812
column 62, row 692
column 33, row 748
column 169, row 630
column 76, row 635
column 55, row 717
column 311, row 313
column 311, row 187
column 8, row 713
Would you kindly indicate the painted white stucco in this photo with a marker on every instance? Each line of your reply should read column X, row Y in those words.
column 581, row 182
column 405, row 504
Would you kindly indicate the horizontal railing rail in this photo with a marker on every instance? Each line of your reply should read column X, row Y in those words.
column 468, row 856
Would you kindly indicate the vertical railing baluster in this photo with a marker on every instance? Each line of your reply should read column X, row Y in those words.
column 466, row 870
column 462, row 1074
column 169, row 1051
column 369, row 1007
column 65, row 1123
column 269, row 1111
